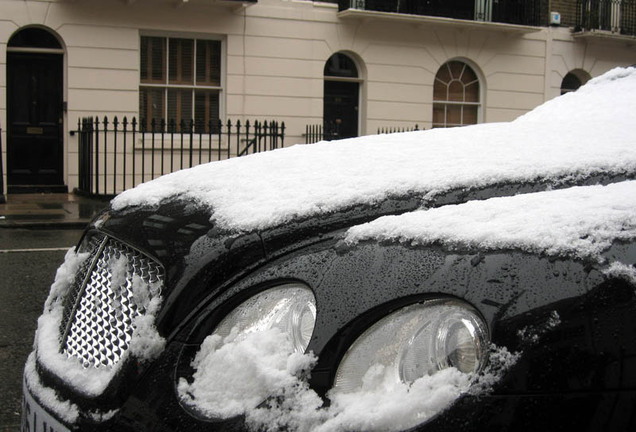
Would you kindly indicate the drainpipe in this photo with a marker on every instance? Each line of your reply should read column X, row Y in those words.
column 2, row 198
column 548, row 64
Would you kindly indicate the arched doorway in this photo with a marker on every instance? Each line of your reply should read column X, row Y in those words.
column 35, row 148
column 341, row 97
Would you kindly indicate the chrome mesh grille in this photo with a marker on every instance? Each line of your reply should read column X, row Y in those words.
column 99, row 320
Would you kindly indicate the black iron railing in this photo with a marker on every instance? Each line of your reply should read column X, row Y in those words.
column 116, row 155
column 328, row 131
column 315, row 133
column 397, row 129
column 523, row 12
column 615, row 16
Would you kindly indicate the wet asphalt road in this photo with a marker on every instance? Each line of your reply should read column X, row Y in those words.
column 28, row 261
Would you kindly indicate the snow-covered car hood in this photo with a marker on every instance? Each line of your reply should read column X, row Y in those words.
column 549, row 145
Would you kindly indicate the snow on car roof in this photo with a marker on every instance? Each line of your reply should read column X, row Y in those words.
column 582, row 133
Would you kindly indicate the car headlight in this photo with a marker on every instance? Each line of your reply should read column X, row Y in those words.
column 290, row 308
column 415, row 341
column 246, row 359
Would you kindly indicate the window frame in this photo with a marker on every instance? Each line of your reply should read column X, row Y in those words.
column 166, row 85
column 454, row 103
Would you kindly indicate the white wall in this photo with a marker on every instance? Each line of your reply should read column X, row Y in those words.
column 275, row 53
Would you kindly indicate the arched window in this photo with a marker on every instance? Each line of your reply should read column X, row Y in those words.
column 456, row 95
column 573, row 80
column 340, row 65
column 341, row 97
column 33, row 37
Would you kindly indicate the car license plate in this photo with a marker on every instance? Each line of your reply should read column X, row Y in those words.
column 35, row 418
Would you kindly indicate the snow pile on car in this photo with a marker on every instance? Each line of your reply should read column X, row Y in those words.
column 580, row 222
column 253, row 377
column 590, row 131
column 235, row 375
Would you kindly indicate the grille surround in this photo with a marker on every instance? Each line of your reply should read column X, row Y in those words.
column 98, row 321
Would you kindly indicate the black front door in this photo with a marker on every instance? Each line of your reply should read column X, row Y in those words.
column 341, row 109
column 35, row 148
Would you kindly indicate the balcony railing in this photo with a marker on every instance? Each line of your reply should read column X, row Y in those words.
column 522, row 12
column 612, row 16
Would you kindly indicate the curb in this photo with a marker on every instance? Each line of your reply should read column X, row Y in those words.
column 15, row 224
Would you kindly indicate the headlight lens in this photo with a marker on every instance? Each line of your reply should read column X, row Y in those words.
column 290, row 308
column 416, row 341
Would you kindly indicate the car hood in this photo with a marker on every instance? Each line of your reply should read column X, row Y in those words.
column 200, row 257
column 190, row 246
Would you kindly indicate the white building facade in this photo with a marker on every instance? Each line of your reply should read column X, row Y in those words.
column 299, row 62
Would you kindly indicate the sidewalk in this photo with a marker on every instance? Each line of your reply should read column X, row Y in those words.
column 49, row 210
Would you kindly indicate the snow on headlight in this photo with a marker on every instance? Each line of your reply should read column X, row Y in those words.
column 258, row 374
column 235, row 374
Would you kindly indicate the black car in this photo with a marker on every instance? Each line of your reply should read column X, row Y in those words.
column 479, row 278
